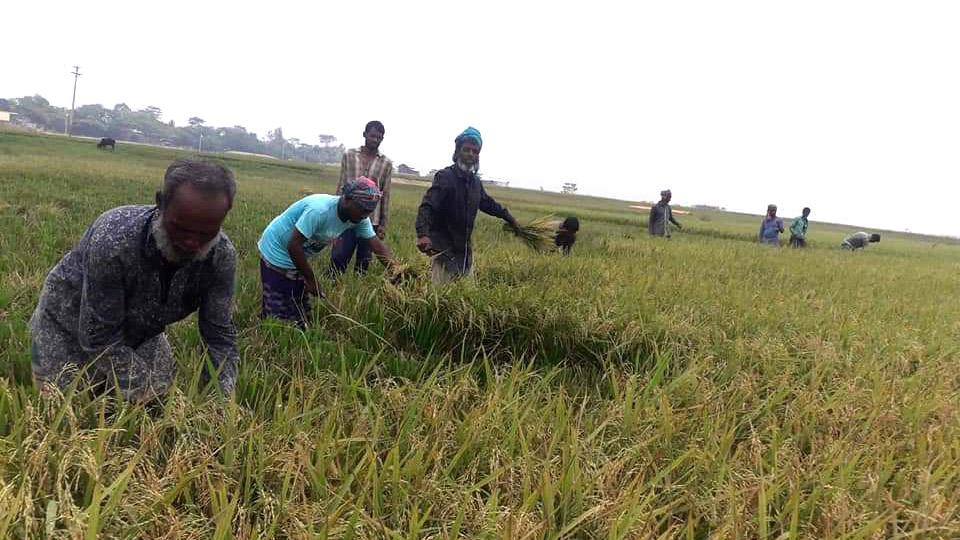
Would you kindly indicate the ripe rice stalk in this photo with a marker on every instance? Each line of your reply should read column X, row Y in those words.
column 403, row 271
column 537, row 234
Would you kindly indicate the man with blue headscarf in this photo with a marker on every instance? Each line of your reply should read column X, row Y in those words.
column 449, row 208
column 302, row 231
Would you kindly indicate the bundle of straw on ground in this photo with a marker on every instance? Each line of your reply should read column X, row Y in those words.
column 537, row 234
column 403, row 271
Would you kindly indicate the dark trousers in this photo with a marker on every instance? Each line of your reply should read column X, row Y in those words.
column 343, row 252
column 284, row 295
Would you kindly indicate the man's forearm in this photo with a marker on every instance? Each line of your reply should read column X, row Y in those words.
column 385, row 200
column 424, row 221
column 382, row 251
column 221, row 345
column 300, row 261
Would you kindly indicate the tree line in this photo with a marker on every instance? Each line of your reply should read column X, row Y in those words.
column 147, row 126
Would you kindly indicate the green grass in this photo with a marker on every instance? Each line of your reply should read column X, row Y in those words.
column 701, row 387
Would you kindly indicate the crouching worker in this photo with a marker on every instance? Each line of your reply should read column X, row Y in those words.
column 300, row 233
column 104, row 307
column 859, row 240
column 567, row 235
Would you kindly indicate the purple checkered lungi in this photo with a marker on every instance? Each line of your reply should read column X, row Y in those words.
column 284, row 294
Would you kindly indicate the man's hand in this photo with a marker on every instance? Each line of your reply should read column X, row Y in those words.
column 424, row 245
column 381, row 231
column 227, row 385
column 512, row 221
column 397, row 272
column 679, row 226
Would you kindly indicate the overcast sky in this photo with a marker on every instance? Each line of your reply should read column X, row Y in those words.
column 852, row 108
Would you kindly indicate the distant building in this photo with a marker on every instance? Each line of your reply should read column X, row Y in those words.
column 6, row 117
column 499, row 183
column 406, row 169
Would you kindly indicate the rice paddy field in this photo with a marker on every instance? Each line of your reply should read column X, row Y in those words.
column 697, row 387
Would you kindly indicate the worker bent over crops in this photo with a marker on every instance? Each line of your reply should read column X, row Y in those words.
column 859, row 240
column 104, row 307
column 300, row 233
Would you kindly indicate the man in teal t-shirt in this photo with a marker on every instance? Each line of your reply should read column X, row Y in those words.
column 302, row 231
column 798, row 230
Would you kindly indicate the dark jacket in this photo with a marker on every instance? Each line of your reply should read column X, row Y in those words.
column 447, row 213
column 659, row 215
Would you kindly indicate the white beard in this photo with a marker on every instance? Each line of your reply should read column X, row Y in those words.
column 465, row 168
column 169, row 252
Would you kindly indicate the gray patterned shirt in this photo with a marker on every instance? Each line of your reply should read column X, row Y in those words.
column 855, row 241
column 114, row 291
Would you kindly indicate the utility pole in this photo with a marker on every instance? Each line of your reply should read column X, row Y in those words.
column 200, row 150
column 68, row 128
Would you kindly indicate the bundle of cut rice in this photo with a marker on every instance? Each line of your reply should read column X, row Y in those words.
column 537, row 234
column 403, row 271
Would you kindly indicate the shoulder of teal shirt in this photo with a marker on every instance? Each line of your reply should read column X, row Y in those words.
column 364, row 229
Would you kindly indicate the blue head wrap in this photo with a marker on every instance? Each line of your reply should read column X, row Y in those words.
column 470, row 133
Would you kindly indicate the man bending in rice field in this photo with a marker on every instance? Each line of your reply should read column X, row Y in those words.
column 104, row 307
column 566, row 234
column 300, row 233
column 449, row 209
column 859, row 240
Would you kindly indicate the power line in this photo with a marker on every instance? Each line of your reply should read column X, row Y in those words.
column 68, row 128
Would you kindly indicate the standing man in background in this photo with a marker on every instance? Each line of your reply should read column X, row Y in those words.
column 771, row 227
column 365, row 161
column 798, row 230
column 661, row 216
column 449, row 208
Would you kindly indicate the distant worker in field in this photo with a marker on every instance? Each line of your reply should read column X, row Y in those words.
column 104, row 307
column 449, row 208
column 661, row 216
column 369, row 162
column 300, row 233
column 859, row 240
column 798, row 230
column 567, row 235
column 771, row 227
